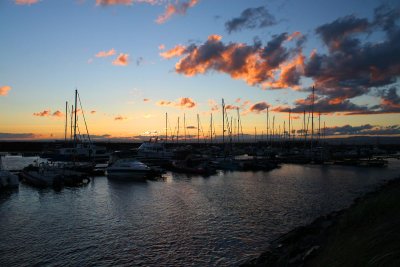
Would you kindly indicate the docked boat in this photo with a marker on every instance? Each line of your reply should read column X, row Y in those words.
column 82, row 152
column 154, row 152
column 129, row 170
column 46, row 175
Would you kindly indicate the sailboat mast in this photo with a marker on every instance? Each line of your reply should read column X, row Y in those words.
column 312, row 117
column 223, row 121
column 177, row 133
column 267, row 123
column 211, row 129
column 289, row 126
column 166, row 127
column 184, row 126
column 66, row 121
column 76, row 104
column 198, row 129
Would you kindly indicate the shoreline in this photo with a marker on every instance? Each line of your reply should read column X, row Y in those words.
column 365, row 233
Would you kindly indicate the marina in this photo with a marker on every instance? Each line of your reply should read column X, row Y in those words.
column 199, row 133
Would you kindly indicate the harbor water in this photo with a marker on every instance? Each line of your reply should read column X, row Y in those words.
column 223, row 220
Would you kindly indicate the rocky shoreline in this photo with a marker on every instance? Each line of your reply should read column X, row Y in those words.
column 354, row 236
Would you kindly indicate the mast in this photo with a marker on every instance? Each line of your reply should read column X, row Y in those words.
column 312, row 117
column 211, row 128
column 72, row 125
column 198, row 129
column 223, row 121
column 267, row 123
column 166, row 127
column 184, row 126
column 273, row 128
column 66, row 121
column 76, row 96
column 289, row 126
column 319, row 126
column 177, row 133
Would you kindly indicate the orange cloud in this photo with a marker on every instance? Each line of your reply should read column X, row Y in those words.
column 178, row 8
column 161, row 47
column 111, row 52
column 47, row 113
column 43, row 113
column 146, row 100
column 26, row 2
column 183, row 102
column 58, row 113
column 121, row 60
column 4, row 90
column 274, row 66
column 174, row 52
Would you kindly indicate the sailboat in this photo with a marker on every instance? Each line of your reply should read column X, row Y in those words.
column 80, row 150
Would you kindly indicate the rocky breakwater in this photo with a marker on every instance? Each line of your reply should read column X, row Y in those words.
column 365, row 234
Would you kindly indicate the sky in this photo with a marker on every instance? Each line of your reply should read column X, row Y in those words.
column 134, row 61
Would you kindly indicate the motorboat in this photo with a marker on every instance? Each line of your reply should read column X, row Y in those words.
column 47, row 175
column 154, row 150
column 129, row 170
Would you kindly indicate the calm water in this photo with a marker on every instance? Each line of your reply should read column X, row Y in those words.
column 223, row 220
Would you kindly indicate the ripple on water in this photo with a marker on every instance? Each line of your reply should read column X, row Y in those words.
column 220, row 220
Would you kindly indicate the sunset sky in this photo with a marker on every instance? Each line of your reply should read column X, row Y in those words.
column 132, row 61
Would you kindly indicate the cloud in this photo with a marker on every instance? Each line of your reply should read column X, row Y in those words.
column 4, row 90
column 26, row 2
column 273, row 66
column 120, row 118
column 251, row 18
column 177, row 8
column 109, row 53
column 146, row 100
column 161, row 47
column 390, row 103
column 5, row 136
column 259, row 107
column 174, row 52
column 58, row 114
column 183, row 102
column 355, row 65
column 366, row 129
column 121, row 60
column 47, row 113
column 93, row 112
column 44, row 113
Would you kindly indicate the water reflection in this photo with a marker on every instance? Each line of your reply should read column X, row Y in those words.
column 223, row 219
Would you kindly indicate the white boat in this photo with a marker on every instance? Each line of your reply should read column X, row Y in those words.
column 154, row 150
column 129, row 170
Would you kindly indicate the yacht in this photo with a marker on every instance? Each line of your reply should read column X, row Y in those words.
column 129, row 170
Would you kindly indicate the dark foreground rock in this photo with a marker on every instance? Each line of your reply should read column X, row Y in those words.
column 365, row 234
